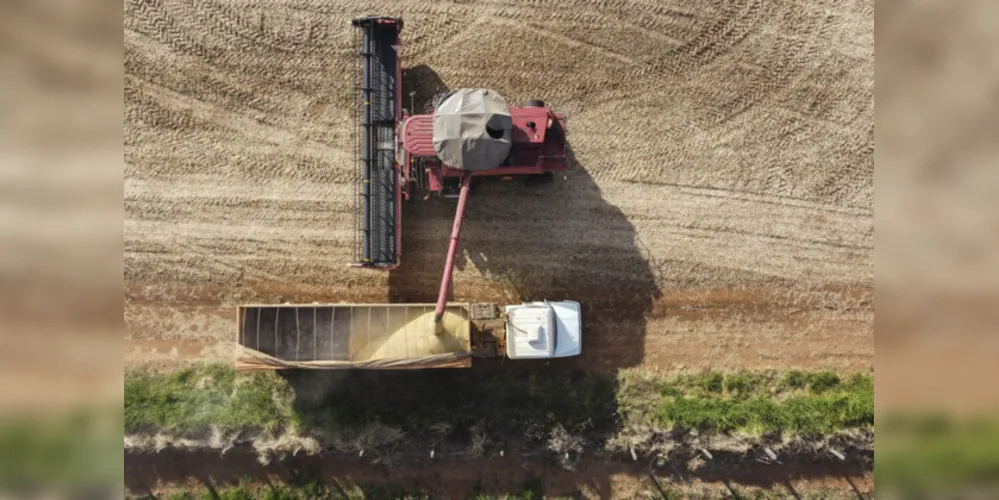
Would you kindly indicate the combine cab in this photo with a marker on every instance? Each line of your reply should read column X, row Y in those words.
column 468, row 133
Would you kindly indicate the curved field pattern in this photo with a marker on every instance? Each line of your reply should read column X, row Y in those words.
column 719, row 212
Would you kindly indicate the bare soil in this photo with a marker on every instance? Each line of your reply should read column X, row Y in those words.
column 718, row 213
column 592, row 478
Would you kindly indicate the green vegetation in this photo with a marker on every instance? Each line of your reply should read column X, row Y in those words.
column 72, row 452
column 195, row 399
column 502, row 405
column 937, row 453
column 805, row 404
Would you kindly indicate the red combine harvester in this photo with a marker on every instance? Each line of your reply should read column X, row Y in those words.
column 468, row 133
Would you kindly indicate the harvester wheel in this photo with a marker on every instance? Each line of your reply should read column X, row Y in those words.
column 532, row 103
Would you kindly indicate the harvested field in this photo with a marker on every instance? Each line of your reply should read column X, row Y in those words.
column 718, row 213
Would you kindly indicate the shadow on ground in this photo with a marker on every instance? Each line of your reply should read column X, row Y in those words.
column 420, row 84
column 485, row 411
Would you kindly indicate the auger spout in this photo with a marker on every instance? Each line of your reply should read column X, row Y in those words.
column 452, row 250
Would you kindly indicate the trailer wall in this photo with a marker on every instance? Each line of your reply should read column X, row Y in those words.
column 340, row 336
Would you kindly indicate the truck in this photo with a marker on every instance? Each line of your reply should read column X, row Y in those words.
column 402, row 336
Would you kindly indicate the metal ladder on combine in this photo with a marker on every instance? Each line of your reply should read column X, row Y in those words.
column 376, row 117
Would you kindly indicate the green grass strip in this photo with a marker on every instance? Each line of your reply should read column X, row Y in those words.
column 937, row 453
column 806, row 404
column 500, row 403
column 195, row 399
column 70, row 452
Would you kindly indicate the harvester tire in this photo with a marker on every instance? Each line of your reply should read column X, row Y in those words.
column 532, row 103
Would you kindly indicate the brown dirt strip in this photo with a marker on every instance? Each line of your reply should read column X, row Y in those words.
column 595, row 478
column 720, row 329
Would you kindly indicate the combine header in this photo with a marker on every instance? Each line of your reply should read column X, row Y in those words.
column 378, row 114
column 467, row 133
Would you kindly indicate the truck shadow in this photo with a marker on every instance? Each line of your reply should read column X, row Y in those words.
column 455, row 411
column 444, row 428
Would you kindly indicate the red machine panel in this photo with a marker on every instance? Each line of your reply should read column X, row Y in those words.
column 418, row 135
column 529, row 125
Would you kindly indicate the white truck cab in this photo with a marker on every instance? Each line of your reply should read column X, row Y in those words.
column 543, row 330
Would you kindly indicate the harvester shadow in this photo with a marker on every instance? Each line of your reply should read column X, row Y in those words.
column 456, row 412
column 451, row 418
column 560, row 241
column 420, row 84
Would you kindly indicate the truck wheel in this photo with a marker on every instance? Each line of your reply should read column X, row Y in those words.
column 532, row 103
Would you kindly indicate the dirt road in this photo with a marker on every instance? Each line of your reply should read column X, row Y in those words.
column 719, row 213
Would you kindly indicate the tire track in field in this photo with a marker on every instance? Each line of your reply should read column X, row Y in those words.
column 224, row 23
column 160, row 26
column 572, row 42
column 735, row 22
column 207, row 112
column 195, row 110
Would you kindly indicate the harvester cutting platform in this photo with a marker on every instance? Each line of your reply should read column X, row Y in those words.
column 468, row 133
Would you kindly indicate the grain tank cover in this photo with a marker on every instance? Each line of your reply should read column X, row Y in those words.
column 473, row 129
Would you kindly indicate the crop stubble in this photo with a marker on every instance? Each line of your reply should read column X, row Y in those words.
column 720, row 215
